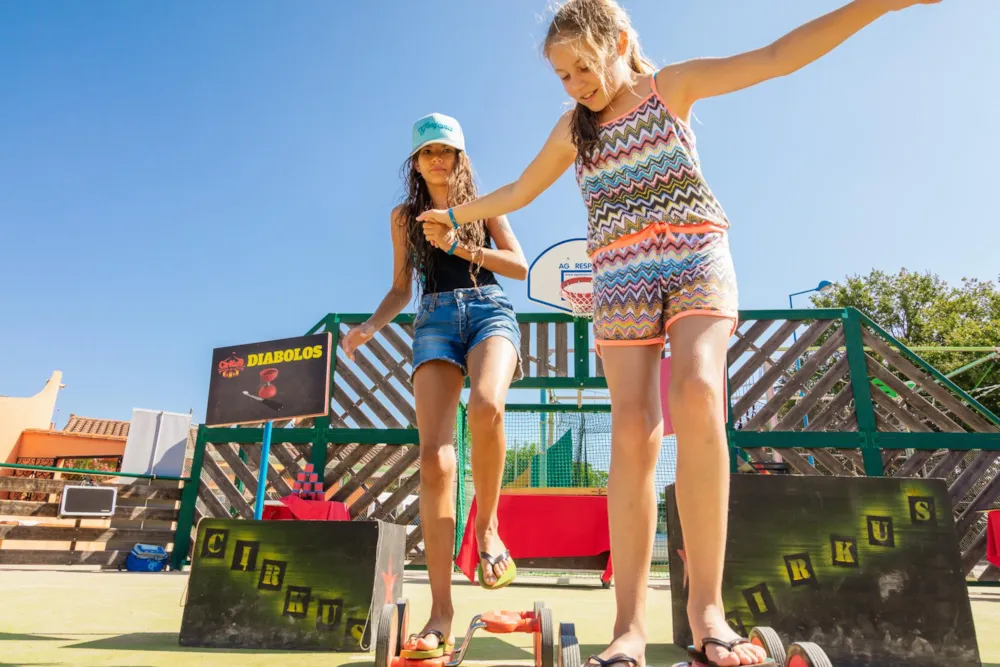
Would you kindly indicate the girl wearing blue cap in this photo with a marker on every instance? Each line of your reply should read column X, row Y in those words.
column 464, row 325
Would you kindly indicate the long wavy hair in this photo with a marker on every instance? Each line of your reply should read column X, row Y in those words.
column 421, row 257
column 594, row 25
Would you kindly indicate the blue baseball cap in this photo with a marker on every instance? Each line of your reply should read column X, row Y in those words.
column 437, row 128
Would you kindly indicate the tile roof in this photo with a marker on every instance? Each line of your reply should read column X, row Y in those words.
column 90, row 426
column 119, row 429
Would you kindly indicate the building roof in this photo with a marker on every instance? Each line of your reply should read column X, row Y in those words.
column 113, row 428
column 91, row 426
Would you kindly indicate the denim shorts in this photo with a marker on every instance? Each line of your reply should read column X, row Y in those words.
column 449, row 324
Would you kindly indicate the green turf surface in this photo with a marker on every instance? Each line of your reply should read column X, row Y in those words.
column 55, row 618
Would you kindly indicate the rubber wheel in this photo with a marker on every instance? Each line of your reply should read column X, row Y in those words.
column 387, row 639
column 769, row 640
column 807, row 654
column 539, row 606
column 545, row 644
column 569, row 647
column 403, row 613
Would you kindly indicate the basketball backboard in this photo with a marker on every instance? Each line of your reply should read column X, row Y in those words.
column 553, row 265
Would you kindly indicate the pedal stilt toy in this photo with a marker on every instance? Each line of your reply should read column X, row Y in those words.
column 392, row 636
column 798, row 654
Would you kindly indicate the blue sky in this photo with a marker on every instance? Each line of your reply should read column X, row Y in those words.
column 177, row 176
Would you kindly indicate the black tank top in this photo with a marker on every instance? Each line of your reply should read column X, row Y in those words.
column 451, row 272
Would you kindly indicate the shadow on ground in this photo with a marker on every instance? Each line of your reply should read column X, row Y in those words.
column 482, row 648
column 5, row 636
column 163, row 641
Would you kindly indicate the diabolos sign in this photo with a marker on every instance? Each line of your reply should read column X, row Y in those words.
column 278, row 379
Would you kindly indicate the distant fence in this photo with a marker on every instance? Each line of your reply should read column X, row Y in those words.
column 33, row 533
column 808, row 386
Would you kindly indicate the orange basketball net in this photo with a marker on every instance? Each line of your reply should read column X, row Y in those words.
column 579, row 291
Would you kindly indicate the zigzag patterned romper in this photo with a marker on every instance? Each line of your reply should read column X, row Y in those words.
column 656, row 234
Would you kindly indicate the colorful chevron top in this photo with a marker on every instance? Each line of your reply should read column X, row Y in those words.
column 646, row 171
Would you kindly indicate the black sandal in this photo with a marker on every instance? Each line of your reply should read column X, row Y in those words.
column 617, row 657
column 702, row 658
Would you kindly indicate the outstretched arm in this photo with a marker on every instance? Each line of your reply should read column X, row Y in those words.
column 682, row 84
column 395, row 299
column 555, row 157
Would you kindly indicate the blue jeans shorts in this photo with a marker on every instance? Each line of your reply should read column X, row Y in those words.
column 449, row 324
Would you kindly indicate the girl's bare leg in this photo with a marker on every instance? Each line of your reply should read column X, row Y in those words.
column 698, row 349
column 437, row 386
column 633, row 375
column 491, row 368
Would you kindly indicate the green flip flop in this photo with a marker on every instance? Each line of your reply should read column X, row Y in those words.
column 504, row 579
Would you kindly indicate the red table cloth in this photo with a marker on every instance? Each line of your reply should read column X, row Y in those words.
column 298, row 509
column 543, row 526
column 993, row 537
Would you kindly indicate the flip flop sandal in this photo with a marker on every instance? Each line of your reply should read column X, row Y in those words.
column 504, row 579
column 702, row 658
column 418, row 654
column 616, row 658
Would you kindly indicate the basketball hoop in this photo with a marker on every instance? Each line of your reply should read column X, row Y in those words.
column 579, row 291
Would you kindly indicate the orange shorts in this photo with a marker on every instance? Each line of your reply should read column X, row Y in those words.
column 645, row 282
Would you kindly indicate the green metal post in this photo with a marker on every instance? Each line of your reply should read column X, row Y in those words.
column 581, row 350
column 861, row 386
column 543, row 456
column 189, row 495
column 320, row 444
column 734, row 451
column 243, row 457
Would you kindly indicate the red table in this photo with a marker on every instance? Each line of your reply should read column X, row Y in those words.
column 544, row 525
column 993, row 537
column 294, row 508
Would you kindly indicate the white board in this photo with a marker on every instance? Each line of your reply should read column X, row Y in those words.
column 554, row 265
column 156, row 443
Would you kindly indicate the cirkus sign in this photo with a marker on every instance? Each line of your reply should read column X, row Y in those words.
column 277, row 379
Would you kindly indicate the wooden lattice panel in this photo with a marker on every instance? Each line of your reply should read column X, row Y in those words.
column 922, row 404
column 778, row 384
column 355, row 474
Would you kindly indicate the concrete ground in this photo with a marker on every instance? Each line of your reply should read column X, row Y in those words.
column 54, row 617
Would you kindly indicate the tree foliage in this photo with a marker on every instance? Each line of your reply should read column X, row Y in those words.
column 520, row 457
column 922, row 309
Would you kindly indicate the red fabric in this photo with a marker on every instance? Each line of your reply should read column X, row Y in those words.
column 299, row 509
column 993, row 537
column 543, row 526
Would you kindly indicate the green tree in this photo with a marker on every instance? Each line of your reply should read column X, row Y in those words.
column 584, row 475
column 922, row 309
column 520, row 457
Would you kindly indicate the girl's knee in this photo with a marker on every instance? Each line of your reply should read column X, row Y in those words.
column 697, row 387
column 437, row 465
column 484, row 409
column 639, row 413
column 638, row 432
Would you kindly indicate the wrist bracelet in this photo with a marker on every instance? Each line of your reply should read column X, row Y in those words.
column 451, row 250
column 451, row 214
